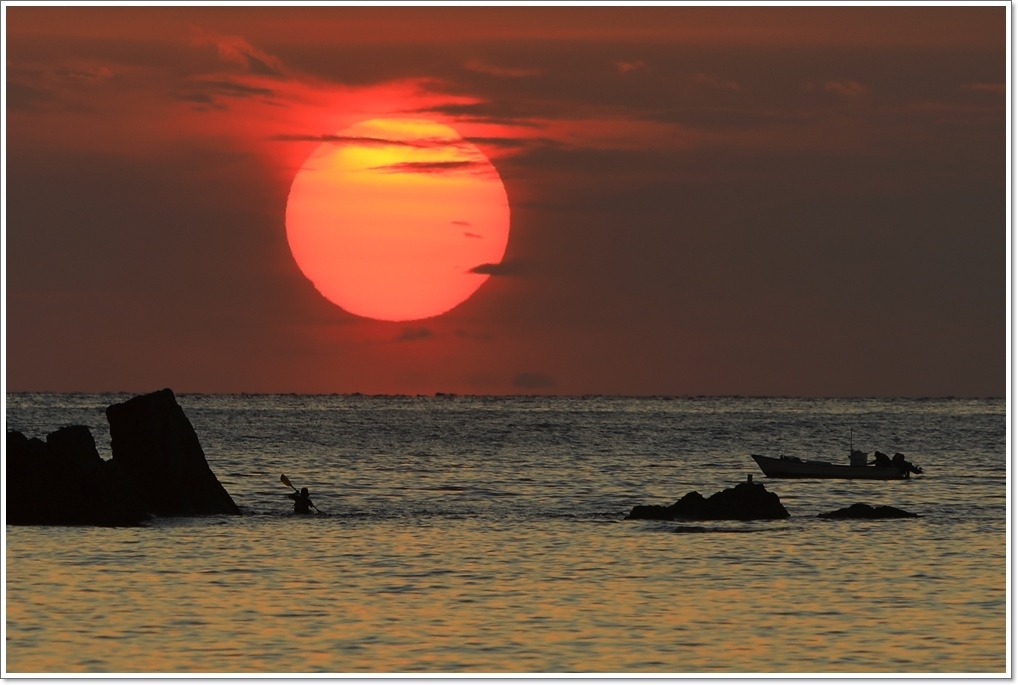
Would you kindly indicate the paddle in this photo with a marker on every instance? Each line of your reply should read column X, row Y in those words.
column 286, row 481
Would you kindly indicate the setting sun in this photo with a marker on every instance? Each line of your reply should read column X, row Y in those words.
column 390, row 217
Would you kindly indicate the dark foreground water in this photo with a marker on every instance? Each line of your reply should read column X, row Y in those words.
column 486, row 535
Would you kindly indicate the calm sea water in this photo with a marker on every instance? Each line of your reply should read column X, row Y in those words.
column 486, row 535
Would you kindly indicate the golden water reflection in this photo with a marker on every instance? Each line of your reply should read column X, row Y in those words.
column 622, row 597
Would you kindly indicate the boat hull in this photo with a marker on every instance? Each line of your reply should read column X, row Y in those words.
column 800, row 468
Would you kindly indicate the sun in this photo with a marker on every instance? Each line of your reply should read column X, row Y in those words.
column 389, row 218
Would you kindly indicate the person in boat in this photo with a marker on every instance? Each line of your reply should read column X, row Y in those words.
column 903, row 465
column 301, row 501
column 881, row 459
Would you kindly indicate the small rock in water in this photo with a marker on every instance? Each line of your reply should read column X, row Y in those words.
column 865, row 511
column 747, row 501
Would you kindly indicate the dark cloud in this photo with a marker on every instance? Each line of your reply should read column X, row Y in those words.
column 533, row 381
column 211, row 93
column 510, row 146
column 263, row 67
column 496, row 111
column 507, row 142
column 415, row 334
column 502, row 269
column 460, row 223
column 369, row 141
column 451, row 167
column 237, row 51
column 203, row 100
column 234, row 89
column 710, row 89
column 712, row 119
column 34, row 87
column 468, row 234
column 85, row 76
column 29, row 98
column 483, row 67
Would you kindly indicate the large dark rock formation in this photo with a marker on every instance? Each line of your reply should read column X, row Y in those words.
column 64, row 482
column 156, row 446
column 865, row 511
column 158, row 467
column 745, row 502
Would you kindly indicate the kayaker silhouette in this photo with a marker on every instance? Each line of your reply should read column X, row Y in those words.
column 302, row 503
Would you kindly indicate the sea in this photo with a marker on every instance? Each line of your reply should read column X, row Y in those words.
column 467, row 535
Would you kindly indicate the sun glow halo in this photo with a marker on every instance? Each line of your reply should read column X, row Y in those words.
column 389, row 217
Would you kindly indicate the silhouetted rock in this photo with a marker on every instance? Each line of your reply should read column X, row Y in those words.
column 158, row 467
column 865, row 511
column 690, row 506
column 156, row 447
column 64, row 481
column 747, row 501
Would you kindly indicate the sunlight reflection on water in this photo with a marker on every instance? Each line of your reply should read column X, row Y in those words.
column 505, row 552
column 270, row 596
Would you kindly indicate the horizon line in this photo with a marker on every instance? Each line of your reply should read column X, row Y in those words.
column 444, row 395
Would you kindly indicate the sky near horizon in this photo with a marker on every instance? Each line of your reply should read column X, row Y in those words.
column 763, row 200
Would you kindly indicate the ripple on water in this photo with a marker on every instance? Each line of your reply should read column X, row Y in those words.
column 458, row 544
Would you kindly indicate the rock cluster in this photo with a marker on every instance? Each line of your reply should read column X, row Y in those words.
column 158, row 468
column 747, row 501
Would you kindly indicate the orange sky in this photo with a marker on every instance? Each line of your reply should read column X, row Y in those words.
column 704, row 200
